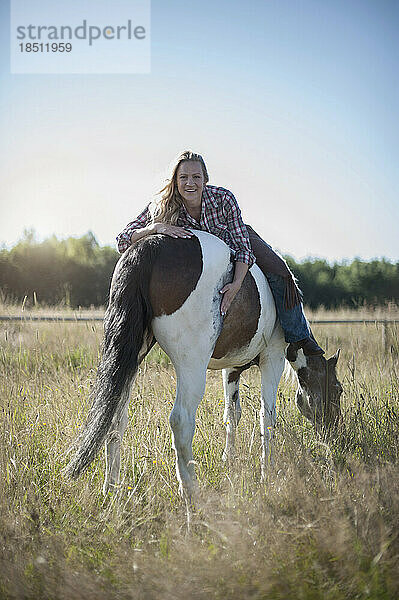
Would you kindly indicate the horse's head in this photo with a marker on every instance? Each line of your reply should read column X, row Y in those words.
column 319, row 391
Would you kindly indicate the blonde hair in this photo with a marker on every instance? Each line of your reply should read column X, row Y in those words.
column 166, row 209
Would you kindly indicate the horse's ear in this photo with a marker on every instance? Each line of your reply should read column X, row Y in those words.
column 334, row 359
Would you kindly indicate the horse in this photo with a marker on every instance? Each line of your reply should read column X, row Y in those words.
column 167, row 290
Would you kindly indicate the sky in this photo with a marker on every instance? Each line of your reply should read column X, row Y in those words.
column 293, row 105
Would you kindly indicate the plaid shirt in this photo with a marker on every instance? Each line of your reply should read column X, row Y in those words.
column 220, row 215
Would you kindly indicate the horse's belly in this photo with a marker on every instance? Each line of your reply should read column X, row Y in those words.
column 239, row 357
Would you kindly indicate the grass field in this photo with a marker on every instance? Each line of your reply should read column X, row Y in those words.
column 323, row 525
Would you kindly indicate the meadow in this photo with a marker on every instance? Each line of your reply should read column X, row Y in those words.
column 324, row 524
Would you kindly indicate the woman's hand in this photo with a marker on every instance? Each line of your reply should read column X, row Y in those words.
column 230, row 290
column 172, row 230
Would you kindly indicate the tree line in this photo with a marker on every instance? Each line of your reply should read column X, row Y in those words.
column 77, row 272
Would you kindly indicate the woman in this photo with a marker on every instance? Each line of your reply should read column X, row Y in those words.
column 188, row 202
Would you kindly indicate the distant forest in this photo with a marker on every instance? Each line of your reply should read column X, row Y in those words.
column 77, row 272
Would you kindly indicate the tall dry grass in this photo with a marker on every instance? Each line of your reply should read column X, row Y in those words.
column 323, row 525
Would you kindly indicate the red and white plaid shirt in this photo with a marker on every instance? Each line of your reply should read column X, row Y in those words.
column 220, row 215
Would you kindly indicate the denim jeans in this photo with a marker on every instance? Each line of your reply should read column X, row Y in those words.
column 293, row 321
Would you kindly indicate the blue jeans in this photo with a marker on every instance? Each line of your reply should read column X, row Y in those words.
column 293, row 321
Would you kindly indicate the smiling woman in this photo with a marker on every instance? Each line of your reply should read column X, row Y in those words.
column 187, row 202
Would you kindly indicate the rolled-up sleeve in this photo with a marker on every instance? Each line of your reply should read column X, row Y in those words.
column 238, row 232
column 123, row 239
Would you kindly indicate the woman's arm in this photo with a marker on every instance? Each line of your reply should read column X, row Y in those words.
column 142, row 232
column 242, row 246
column 124, row 240
column 238, row 232
column 143, row 226
column 164, row 228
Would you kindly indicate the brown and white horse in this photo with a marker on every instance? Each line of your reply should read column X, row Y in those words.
column 167, row 290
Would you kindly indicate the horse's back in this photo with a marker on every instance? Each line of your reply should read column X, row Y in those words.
column 185, row 265
column 175, row 274
column 185, row 296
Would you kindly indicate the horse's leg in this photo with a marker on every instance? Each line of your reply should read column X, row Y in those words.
column 271, row 365
column 190, row 388
column 119, row 424
column 232, row 409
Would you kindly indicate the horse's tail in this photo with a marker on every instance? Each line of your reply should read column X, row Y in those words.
column 126, row 322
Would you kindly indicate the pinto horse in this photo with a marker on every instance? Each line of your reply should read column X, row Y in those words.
column 167, row 290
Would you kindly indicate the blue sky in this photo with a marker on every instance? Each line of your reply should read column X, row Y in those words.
column 292, row 104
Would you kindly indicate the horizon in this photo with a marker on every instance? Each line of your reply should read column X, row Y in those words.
column 309, row 258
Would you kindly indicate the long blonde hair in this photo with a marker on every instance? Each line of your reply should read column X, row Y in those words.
column 166, row 209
